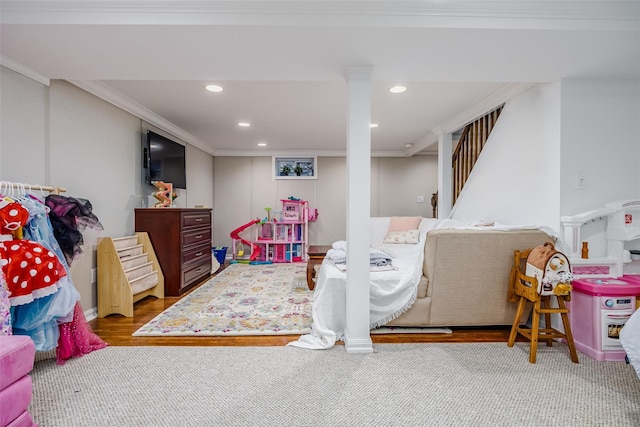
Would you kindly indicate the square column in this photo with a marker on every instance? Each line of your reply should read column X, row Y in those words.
column 357, row 336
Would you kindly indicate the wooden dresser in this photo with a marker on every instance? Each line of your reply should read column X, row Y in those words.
column 182, row 242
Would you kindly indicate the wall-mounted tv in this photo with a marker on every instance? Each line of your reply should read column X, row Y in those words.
column 164, row 160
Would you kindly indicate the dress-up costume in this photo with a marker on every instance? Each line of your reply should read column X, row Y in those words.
column 41, row 318
column 69, row 216
column 5, row 307
column 44, row 303
column 31, row 270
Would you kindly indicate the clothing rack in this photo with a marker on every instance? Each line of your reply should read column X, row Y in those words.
column 23, row 186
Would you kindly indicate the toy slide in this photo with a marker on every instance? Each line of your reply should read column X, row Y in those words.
column 235, row 234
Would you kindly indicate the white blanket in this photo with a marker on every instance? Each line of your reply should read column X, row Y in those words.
column 391, row 292
column 338, row 255
column 630, row 340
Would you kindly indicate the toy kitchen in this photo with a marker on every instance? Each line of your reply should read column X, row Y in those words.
column 604, row 252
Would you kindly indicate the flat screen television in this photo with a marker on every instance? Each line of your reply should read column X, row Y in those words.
column 164, row 160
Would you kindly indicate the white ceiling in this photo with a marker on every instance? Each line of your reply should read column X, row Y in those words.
column 283, row 64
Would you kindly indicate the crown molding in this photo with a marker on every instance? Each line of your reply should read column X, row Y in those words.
column 115, row 98
column 498, row 97
column 106, row 93
column 25, row 71
column 299, row 153
column 523, row 14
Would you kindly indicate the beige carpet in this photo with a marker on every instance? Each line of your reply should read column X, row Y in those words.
column 436, row 384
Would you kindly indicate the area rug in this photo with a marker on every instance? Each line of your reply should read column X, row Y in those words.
column 243, row 299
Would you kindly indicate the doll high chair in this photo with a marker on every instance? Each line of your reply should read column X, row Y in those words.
column 547, row 275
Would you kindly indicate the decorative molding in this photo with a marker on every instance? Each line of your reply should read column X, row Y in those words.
column 501, row 95
column 106, row 93
column 358, row 345
column 91, row 313
column 524, row 14
column 297, row 153
column 428, row 141
column 25, row 71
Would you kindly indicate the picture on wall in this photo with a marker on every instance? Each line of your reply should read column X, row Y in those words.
column 294, row 168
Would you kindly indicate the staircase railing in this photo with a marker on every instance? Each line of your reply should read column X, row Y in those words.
column 472, row 141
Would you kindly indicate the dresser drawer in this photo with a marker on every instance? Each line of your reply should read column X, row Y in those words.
column 196, row 253
column 199, row 236
column 196, row 219
column 196, row 271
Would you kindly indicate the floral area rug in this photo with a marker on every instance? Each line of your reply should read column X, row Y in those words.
column 243, row 299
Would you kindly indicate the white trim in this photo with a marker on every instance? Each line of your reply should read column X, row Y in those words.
column 106, row 93
column 358, row 345
column 296, row 153
column 501, row 95
column 91, row 313
column 523, row 14
column 25, row 71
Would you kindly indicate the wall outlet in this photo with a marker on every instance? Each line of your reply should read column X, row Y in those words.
column 420, row 199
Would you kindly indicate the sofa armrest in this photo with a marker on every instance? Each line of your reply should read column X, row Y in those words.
column 469, row 272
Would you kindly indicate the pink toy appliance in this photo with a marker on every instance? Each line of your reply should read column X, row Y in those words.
column 598, row 310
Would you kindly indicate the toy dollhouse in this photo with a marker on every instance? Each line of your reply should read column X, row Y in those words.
column 282, row 237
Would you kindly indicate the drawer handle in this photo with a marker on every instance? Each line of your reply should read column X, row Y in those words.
column 198, row 270
column 199, row 254
column 199, row 236
column 198, row 219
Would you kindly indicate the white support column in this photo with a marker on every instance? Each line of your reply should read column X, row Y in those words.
column 357, row 336
column 445, row 180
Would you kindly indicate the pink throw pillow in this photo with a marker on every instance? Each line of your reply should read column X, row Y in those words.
column 403, row 223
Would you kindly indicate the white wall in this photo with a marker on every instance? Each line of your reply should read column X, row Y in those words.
column 600, row 137
column 23, row 107
column 517, row 177
column 399, row 181
column 244, row 186
column 527, row 171
column 61, row 135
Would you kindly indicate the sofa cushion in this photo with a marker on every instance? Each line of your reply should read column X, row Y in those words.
column 17, row 353
column 24, row 420
column 15, row 399
column 423, row 285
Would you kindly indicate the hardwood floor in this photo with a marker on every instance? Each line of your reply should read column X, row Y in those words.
column 116, row 330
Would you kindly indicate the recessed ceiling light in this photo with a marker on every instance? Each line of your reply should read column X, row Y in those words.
column 244, row 124
column 262, row 144
column 373, row 125
column 398, row 89
column 408, row 145
column 214, row 88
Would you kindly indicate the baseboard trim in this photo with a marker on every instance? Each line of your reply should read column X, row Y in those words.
column 91, row 313
column 359, row 345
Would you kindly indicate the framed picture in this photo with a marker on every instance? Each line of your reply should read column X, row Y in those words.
column 295, row 168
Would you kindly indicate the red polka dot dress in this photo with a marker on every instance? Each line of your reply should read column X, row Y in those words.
column 31, row 271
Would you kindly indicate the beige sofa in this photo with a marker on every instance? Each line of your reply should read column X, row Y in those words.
column 466, row 277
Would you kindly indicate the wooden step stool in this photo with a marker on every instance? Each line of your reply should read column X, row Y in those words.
column 526, row 287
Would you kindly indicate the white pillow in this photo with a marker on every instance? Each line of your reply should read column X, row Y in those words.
column 408, row 236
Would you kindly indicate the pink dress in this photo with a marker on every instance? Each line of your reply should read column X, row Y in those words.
column 76, row 338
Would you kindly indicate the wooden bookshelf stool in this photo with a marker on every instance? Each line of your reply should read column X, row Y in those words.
column 526, row 287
